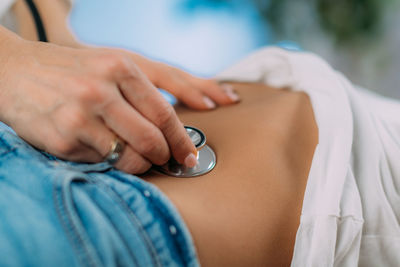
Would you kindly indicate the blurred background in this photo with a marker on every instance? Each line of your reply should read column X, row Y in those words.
column 360, row 38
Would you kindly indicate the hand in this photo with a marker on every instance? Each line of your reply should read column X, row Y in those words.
column 73, row 102
column 196, row 93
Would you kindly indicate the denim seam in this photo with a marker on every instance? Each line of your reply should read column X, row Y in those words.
column 136, row 222
column 70, row 229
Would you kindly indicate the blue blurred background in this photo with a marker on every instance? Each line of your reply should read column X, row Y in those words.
column 202, row 39
column 358, row 37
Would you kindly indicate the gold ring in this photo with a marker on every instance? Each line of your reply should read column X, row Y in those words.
column 116, row 149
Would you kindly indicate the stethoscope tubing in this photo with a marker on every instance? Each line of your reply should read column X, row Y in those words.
column 41, row 31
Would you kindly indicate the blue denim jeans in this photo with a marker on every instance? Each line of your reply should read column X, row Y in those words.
column 58, row 213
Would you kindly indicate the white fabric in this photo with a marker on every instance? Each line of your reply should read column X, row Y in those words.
column 351, row 208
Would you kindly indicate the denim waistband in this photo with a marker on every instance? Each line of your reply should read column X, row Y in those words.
column 59, row 213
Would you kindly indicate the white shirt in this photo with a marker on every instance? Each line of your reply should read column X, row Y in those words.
column 351, row 208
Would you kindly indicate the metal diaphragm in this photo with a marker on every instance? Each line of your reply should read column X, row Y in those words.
column 206, row 158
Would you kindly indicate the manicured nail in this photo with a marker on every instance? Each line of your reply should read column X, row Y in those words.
column 230, row 92
column 209, row 103
column 191, row 161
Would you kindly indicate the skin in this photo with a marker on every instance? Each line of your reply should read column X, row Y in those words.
column 77, row 98
column 247, row 210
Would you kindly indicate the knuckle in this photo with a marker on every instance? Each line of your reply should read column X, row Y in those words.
column 91, row 91
column 143, row 168
column 64, row 148
column 117, row 62
column 75, row 120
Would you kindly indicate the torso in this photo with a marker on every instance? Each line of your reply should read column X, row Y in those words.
column 247, row 210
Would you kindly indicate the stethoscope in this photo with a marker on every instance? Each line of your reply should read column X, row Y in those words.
column 205, row 156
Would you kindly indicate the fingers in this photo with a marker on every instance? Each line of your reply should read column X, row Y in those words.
column 222, row 94
column 73, row 151
column 196, row 93
column 132, row 162
column 145, row 98
column 139, row 133
column 98, row 137
column 206, row 94
column 142, row 117
column 193, row 97
column 142, row 95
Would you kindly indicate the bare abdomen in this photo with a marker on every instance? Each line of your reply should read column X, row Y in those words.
column 247, row 210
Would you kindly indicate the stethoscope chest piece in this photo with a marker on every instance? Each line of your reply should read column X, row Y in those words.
column 206, row 158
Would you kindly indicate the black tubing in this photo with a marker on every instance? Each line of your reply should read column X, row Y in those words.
column 41, row 32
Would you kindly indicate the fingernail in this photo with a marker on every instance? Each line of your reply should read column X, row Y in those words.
column 230, row 92
column 209, row 103
column 191, row 161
